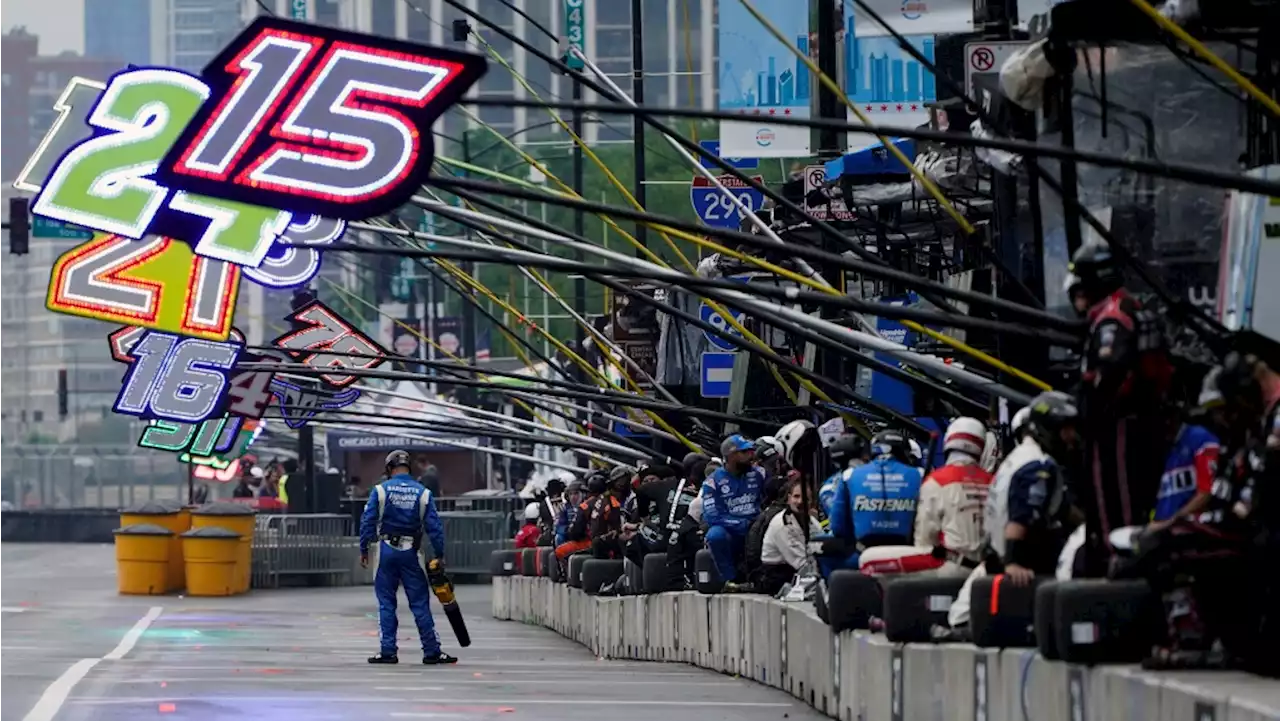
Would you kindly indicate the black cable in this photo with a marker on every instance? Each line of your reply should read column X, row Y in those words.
column 747, row 239
column 694, row 148
column 591, row 426
column 773, row 292
column 768, row 355
column 1210, row 331
column 1185, row 172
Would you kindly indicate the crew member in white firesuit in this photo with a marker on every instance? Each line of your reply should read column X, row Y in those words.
column 952, row 499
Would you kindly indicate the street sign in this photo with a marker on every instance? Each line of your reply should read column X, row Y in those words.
column 986, row 58
column 713, row 147
column 47, row 228
column 714, row 207
column 717, row 374
column 708, row 315
column 574, row 32
column 814, row 177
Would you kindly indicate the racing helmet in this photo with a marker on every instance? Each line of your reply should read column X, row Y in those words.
column 888, row 443
column 1050, row 412
column 1236, row 381
column 398, row 458
column 1019, row 422
column 531, row 512
column 965, row 435
column 768, row 447
column 915, row 452
column 845, row 448
column 695, row 462
column 1094, row 271
column 596, row 483
column 791, row 435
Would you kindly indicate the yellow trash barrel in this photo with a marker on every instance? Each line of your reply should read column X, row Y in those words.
column 210, row 555
column 166, row 514
column 142, row 559
column 235, row 517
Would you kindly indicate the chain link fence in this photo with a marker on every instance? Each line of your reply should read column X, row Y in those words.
column 73, row 476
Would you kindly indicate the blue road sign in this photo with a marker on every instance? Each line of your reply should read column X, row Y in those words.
column 708, row 315
column 717, row 374
column 713, row 147
column 714, row 207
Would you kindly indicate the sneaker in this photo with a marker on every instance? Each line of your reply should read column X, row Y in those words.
column 384, row 658
column 438, row 660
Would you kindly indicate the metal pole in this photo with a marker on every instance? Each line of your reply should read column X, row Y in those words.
column 637, row 123
column 829, row 106
column 579, row 217
column 468, row 309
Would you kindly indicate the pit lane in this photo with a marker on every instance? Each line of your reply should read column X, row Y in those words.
column 74, row 650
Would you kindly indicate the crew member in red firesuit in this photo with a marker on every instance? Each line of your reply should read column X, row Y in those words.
column 1125, row 378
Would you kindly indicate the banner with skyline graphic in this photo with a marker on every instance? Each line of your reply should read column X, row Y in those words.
column 760, row 78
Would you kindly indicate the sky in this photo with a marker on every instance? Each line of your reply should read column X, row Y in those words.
column 58, row 23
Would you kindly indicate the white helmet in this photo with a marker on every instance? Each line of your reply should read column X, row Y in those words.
column 789, row 436
column 531, row 512
column 966, row 435
column 1020, row 419
column 915, row 451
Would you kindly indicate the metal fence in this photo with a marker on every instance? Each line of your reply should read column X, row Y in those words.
column 71, row 476
column 471, row 537
column 317, row 548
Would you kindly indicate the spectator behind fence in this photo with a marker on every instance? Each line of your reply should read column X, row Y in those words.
column 527, row 536
column 684, row 525
column 730, row 502
column 785, row 546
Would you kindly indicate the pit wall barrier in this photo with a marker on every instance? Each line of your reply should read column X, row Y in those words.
column 859, row 676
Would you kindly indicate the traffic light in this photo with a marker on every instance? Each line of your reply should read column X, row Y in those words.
column 19, row 226
column 62, row 393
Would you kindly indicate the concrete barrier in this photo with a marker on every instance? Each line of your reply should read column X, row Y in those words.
column 858, row 676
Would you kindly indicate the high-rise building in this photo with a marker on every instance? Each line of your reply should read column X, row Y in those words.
column 124, row 29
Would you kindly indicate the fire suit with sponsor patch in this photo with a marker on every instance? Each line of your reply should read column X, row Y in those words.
column 875, row 505
column 952, row 502
column 730, row 502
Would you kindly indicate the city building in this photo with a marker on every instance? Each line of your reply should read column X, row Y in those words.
column 171, row 33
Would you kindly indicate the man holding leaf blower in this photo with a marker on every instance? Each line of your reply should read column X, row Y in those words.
column 398, row 512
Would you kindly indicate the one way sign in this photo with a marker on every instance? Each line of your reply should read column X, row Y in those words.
column 717, row 374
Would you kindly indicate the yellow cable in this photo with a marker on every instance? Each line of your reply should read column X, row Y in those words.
column 929, row 186
column 602, row 380
column 1209, row 56
column 829, row 290
column 435, row 345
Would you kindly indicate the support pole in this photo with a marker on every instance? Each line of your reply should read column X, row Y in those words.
column 468, row 309
column 637, row 123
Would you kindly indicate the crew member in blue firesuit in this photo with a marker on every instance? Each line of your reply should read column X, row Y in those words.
column 730, row 502
column 876, row 504
column 399, row 510
column 846, row 453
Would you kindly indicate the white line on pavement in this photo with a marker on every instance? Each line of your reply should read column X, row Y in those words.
column 291, row 676
column 12, row 609
column 384, row 700
column 58, row 691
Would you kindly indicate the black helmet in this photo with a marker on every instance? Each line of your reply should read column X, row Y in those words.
column 596, row 483
column 847, row 446
column 1236, row 380
column 1051, row 411
column 890, row 442
column 398, row 458
column 694, row 462
column 1094, row 270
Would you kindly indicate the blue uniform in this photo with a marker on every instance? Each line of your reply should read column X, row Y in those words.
column 398, row 512
column 1189, row 470
column 876, row 499
column 827, row 492
column 564, row 521
column 729, row 504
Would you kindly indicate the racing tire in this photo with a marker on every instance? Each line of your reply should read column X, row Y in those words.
column 1042, row 623
column 1102, row 621
column 704, row 566
column 1002, row 615
column 853, row 598
column 635, row 577
column 529, row 562
column 546, row 559
column 654, row 573
column 575, row 568
column 503, row 563
column 913, row 605
column 556, row 569
column 596, row 572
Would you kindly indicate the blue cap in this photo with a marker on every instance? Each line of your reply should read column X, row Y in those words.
column 735, row 442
